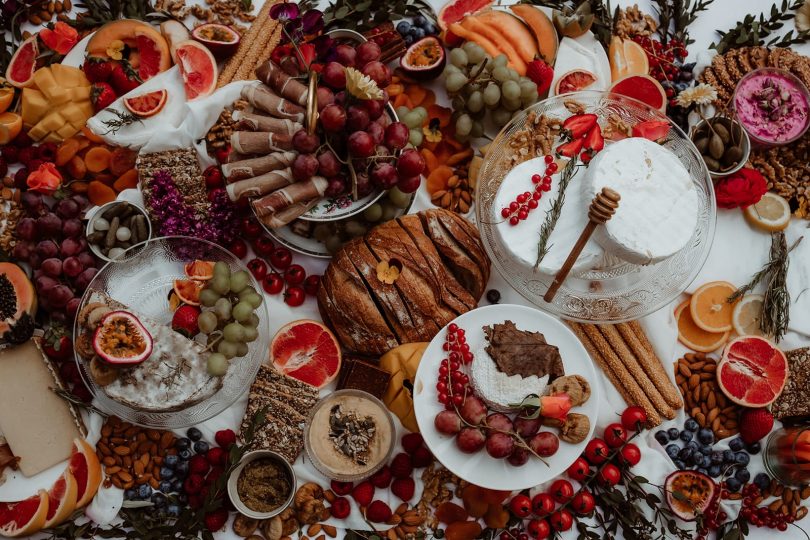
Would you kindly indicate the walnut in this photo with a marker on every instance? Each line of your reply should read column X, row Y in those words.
column 632, row 21
column 575, row 428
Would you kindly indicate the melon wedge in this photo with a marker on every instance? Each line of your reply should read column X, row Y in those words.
column 149, row 49
column 474, row 24
column 543, row 29
column 515, row 32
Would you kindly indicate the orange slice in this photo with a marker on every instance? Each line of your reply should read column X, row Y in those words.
column 694, row 337
column 627, row 58
column 199, row 270
column 148, row 104
column 747, row 315
column 710, row 308
column 188, row 290
column 10, row 126
column 6, row 97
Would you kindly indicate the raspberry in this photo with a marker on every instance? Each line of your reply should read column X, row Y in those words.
column 25, row 155
column 340, row 508
column 23, row 140
column 401, row 466
column 403, row 488
column 378, row 512
column 35, row 163
column 225, row 438
column 216, row 456
column 216, row 520
column 20, row 178
column 363, row 493
column 193, row 484
column 412, row 441
column 198, row 464
column 213, row 475
column 47, row 151
column 341, row 488
column 422, row 457
column 382, row 478
column 10, row 153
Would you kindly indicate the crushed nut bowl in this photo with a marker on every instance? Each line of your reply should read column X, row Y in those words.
column 614, row 290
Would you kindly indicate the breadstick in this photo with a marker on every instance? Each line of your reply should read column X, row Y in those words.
column 641, row 335
column 604, row 356
column 652, row 366
column 269, row 45
column 245, row 69
column 635, row 370
column 249, row 40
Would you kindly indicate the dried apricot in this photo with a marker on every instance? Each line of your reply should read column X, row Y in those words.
column 78, row 187
column 494, row 496
column 438, row 178
column 474, row 501
column 128, row 180
column 122, row 160
column 394, row 89
column 461, row 156
column 450, row 512
column 430, row 160
column 66, row 151
column 87, row 132
column 97, row 159
column 100, row 193
column 442, row 113
column 496, row 517
column 463, row 530
column 417, row 93
column 402, row 100
column 76, row 168
column 429, row 100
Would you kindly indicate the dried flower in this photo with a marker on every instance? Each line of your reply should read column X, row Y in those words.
column 432, row 131
column 387, row 272
column 284, row 11
column 115, row 49
column 701, row 94
column 361, row 86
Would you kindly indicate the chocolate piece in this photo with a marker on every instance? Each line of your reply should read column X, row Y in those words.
column 795, row 398
column 524, row 353
column 361, row 375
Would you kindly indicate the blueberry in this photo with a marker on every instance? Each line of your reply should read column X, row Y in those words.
column 173, row 510
column 705, row 436
column 166, row 473
column 672, row 450
column 673, row 433
column 201, row 447
column 736, row 444
column 703, row 471
column 408, row 40
column 743, row 475
column 691, row 425
column 742, row 458
column 754, row 448
column 170, row 461
column 185, row 454
column 182, row 444
column 130, row 494
column 762, row 481
column 685, row 454
column 403, row 27
column 144, row 491
column 420, row 20
column 194, row 434
column 706, row 450
column 159, row 499
column 701, row 460
column 661, row 437
column 733, row 485
column 728, row 456
column 493, row 296
column 681, row 86
column 417, row 33
column 685, row 436
column 679, row 464
column 715, row 470
column 177, row 485
column 182, row 469
column 165, row 486
column 717, row 458
column 182, row 499
column 694, row 445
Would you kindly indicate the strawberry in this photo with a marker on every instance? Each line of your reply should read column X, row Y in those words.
column 422, row 457
column 97, row 69
column 381, row 478
column 184, row 321
column 378, row 512
column 102, row 95
column 403, row 488
column 198, row 464
column 225, row 438
column 56, row 344
column 755, row 424
column 411, row 442
column 124, row 78
column 401, row 466
column 594, row 140
column 541, row 74
column 578, row 125
column 571, row 149
column 341, row 488
column 341, row 508
column 363, row 493
column 216, row 520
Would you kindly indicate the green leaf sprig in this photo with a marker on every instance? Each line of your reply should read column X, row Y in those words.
column 367, row 14
column 753, row 31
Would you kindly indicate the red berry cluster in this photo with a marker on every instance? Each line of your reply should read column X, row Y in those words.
column 662, row 58
column 757, row 516
column 526, row 202
column 453, row 385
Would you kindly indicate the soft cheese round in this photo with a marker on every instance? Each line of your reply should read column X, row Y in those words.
column 521, row 239
column 658, row 211
column 499, row 390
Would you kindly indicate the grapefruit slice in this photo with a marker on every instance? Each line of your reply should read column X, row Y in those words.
column 148, row 104
column 574, row 80
column 627, row 58
column 710, row 307
column 752, row 372
column 86, row 470
column 61, row 500
column 188, row 290
column 455, row 10
column 199, row 270
column 306, row 350
column 23, row 518
column 694, row 337
column 643, row 88
column 198, row 68
column 20, row 71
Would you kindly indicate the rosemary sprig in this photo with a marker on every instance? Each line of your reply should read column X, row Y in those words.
column 367, row 14
column 121, row 119
column 753, row 30
column 776, row 303
column 554, row 212
column 675, row 16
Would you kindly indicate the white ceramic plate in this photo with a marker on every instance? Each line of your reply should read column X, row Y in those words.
column 479, row 468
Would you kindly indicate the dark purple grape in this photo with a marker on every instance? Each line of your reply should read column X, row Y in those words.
column 70, row 247
column 72, row 267
column 364, row 186
column 72, row 307
column 27, row 228
column 305, row 167
column 82, row 244
column 328, row 164
column 32, row 202
column 336, row 188
column 49, row 225
column 34, row 260
column 67, row 208
column 47, row 249
column 59, row 296
column 384, row 175
column 44, row 284
column 82, row 201
column 83, row 280
column 87, row 259
column 377, row 133
column 22, row 250
column 72, row 228
column 52, row 267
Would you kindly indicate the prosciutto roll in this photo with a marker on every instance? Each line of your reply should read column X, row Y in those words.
column 260, row 142
column 272, row 75
column 285, row 197
column 292, row 212
column 261, row 122
column 261, row 97
column 260, row 185
column 249, row 168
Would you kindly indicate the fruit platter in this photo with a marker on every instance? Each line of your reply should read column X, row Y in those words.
column 404, row 270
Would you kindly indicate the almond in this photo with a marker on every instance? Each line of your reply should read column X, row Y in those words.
column 124, row 476
column 684, row 370
column 805, row 492
column 166, row 440
column 401, row 509
column 395, row 519
column 711, row 400
column 122, row 450
column 330, row 530
column 800, row 512
column 314, row 529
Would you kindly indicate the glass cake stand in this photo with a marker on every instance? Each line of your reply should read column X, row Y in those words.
column 617, row 291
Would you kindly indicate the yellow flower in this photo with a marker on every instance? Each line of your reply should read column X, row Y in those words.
column 432, row 132
column 701, row 94
column 388, row 271
column 115, row 49
column 362, row 86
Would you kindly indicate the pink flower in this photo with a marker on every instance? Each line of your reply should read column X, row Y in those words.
column 741, row 189
column 61, row 38
column 556, row 406
column 46, row 179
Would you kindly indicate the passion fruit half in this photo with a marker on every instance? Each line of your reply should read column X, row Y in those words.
column 221, row 40
column 121, row 339
column 424, row 60
column 689, row 493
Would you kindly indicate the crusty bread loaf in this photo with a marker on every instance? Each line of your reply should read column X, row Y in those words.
column 444, row 272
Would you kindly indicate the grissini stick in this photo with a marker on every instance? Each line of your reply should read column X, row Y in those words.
column 601, row 210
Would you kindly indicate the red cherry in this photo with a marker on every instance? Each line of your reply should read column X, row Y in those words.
column 250, row 228
column 238, row 248
column 596, row 451
column 514, row 220
column 281, row 258
column 562, row 520
column 538, row 528
column 258, row 268
column 583, row 503
column 579, row 470
column 561, row 491
column 542, row 505
column 634, row 418
column 311, row 284
column 294, row 296
column 520, row 505
column 630, row 454
column 609, row 475
column 295, row 274
column 615, row 435
column 273, row 283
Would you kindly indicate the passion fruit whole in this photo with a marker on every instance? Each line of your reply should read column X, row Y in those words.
column 689, row 493
column 221, row 40
column 121, row 339
column 424, row 60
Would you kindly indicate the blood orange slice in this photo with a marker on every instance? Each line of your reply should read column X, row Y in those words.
column 86, row 469
column 188, row 291
column 643, row 88
column 200, row 270
column 753, row 371
column 574, row 80
column 22, row 518
column 198, row 68
column 306, row 350
column 20, row 71
column 61, row 500
column 148, row 104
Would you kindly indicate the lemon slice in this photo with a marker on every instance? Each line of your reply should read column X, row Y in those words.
column 771, row 213
column 747, row 315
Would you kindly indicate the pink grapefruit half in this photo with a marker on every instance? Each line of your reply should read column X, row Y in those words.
column 306, row 350
column 198, row 68
column 20, row 71
column 61, row 500
column 86, row 469
column 643, row 88
column 753, row 371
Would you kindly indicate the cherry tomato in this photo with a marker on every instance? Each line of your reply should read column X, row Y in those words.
column 609, row 475
column 281, row 258
column 238, row 248
column 615, row 435
column 538, row 528
column 258, row 268
column 520, row 505
column 542, row 505
column 583, row 503
column 562, row 520
column 294, row 296
column 273, row 283
column 295, row 274
column 250, row 228
column 634, row 418
column 579, row 470
column 311, row 284
column 630, row 454
column 596, row 452
column 561, row 491
column 263, row 246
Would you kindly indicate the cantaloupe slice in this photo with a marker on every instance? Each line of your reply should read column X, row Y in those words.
column 484, row 42
column 492, row 33
column 542, row 28
column 515, row 32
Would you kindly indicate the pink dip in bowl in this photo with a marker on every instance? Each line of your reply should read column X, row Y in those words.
column 772, row 105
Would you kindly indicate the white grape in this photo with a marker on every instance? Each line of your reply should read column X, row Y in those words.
column 500, row 60
column 492, row 95
column 477, row 129
column 475, row 102
column 475, row 53
column 527, row 89
column 455, row 82
column 458, row 58
column 514, row 75
column 501, row 116
column 422, row 112
column 415, row 137
column 463, row 125
column 411, row 119
column 500, row 74
column 402, row 111
column 527, row 102
column 511, row 104
column 510, row 90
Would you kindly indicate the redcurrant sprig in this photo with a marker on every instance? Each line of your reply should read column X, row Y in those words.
column 518, row 210
column 453, row 385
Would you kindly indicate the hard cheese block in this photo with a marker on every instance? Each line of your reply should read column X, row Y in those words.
column 38, row 425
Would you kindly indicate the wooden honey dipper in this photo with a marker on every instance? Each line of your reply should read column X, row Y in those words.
column 602, row 208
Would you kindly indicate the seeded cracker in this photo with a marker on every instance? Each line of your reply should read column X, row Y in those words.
column 795, row 398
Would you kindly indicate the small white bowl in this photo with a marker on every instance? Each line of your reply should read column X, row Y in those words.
column 99, row 212
column 746, row 145
column 233, row 492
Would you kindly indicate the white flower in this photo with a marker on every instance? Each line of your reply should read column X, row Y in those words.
column 701, row 94
column 361, row 86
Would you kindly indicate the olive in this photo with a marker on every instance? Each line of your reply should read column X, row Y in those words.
column 711, row 163
column 716, row 147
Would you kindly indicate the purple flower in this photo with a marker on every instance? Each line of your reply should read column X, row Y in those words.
column 293, row 28
column 284, row 11
column 312, row 21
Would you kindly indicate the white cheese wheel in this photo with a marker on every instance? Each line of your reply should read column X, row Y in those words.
column 499, row 390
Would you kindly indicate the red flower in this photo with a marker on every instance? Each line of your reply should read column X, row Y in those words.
column 741, row 189
column 46, row 179
column 61, row 38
